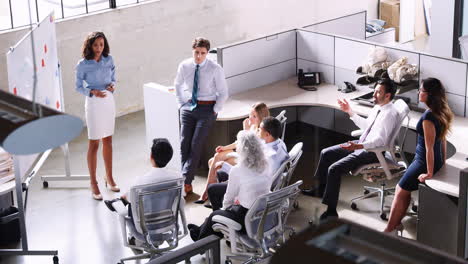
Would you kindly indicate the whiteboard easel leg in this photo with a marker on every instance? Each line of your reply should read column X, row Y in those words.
column 68, row 176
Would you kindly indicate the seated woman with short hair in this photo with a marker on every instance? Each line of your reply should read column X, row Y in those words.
column 248, row 180
column 226, row 153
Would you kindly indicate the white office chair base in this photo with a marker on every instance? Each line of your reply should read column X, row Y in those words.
column 381, row 192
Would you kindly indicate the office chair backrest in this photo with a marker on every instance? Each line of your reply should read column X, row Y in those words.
column 279, row 175
column 155, row 209
column 403, row 112
column 265, row 218
column 282, row 118
column 294, row 155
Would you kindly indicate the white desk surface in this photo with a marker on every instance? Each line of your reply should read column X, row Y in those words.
column 286, row 93
column 7, row 187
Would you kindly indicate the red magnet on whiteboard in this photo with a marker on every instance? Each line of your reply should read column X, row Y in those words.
column 45, row 48
column 15, row 91
column 43, row 63
column 57, row 104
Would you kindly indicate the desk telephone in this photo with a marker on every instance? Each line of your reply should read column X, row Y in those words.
column 306, row 80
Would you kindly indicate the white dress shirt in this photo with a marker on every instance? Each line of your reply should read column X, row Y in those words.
column 381, row 130
column 212, row 84
column 276, row 153
column 245, row 185
column 156, row 175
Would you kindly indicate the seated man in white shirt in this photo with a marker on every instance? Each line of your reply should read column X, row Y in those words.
column 161, row 154
column 275, row 151
column 338, row 160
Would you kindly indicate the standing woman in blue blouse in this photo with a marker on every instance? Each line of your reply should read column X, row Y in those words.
column 432, row 130
column 95, row 79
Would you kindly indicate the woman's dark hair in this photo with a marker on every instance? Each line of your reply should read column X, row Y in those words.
column 201, row 43
column 161, row 152
column 87, row 49
column 437, row 102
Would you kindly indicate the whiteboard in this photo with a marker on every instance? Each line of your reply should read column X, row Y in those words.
column 21, row 78
column 20, row 66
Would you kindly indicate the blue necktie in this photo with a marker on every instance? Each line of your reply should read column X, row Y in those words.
column 195, row 88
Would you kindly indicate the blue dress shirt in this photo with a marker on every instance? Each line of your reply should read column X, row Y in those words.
column 95, row 75
column 276, row 153
column 212, row 84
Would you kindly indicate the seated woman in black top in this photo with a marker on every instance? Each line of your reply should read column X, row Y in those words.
column 432, row 130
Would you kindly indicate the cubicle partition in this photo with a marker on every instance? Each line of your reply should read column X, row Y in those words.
column 352, row 25
column 266, row 60
column 315, row 53
column 259, row 62
column 315, row 50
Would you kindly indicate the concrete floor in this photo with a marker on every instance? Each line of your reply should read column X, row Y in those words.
column 64, row 217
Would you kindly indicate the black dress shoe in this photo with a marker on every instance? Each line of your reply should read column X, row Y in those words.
column 209, row 206
column 200, row 201
column 109, row 203
column 194, row 231
column 314, row 192
column 328, row 214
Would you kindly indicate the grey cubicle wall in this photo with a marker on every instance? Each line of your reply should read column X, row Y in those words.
column 259, row 62
column 352, row 25
column 315, row 53
column 349, row 53
column 452, row 74
column 276, row 57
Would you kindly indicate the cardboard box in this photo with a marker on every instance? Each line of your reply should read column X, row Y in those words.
column 390, row 12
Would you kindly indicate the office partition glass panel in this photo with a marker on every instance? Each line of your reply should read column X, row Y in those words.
column 19, row 10
column 46, row 6
column 5, row 20
column 74, row 7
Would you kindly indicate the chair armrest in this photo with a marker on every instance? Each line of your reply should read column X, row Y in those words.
column 227, row 222
column 356, row 133
column 379, row 149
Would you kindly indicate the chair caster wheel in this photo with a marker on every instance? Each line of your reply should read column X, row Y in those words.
column 414, row 208
column 383, row 216
column 55, row 259
column 296, row 205
column 354, row 206
column 228, row 261
column 366, row 192
column 45, row 184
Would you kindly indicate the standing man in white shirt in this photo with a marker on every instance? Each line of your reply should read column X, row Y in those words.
column 201, row 91
column 338, row 160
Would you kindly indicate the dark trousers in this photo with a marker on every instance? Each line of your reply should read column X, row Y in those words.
column 335, row 162
column 216, row 193
column 234, row 212
column 195, row 126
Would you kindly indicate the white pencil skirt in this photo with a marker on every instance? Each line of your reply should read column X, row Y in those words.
column 100, row 116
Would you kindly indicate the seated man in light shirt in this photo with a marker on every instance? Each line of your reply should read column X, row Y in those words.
column 275, row 151
column 161, row 154
column 340, row 159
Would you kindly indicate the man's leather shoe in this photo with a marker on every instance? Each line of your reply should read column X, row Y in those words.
column 188, row 188
column 312, row 192
column 109, row 203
